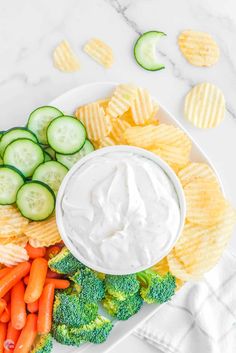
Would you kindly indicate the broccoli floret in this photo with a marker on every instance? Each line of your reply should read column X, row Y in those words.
column 62, row 334
column 121, row 287
column 122, row 309
column 43, row 344
column 64, row 262
column 95, row 332
column 69, row 310
column 156, row 288
column 89, row 286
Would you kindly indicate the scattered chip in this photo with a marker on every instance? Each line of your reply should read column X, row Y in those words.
column 20, row 240
column 199, row 48
column 12, row 223
column 204, row 201
column 44, row 233
column 121, row 100
column 98, row 125
column 100, row 52
column 118, row 128
column 106, row 142
column 64, row 58
column 142, row 107
column 204, row 106
column 196, row 170
column 12, row 254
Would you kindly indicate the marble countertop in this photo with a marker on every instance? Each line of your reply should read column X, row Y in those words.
column 30, row 29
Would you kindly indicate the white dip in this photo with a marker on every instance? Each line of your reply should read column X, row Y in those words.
column 120, row 210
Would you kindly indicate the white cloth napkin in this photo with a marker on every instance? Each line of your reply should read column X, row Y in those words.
column 201, row 318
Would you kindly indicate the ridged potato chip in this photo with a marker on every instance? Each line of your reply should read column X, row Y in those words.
column 100, row 52
column 174, row 156
column 127, row 116
column 12, row 223
column 172, row 135
column 98, row 125
column 64, row 58
column 199, row 48
column 142, row 107
column 103, row 102
column 12, row 254
column 204, row 106
column 195, row 170
column 106, row 142
column 118, row 128
column 178, row 269
column 20, row 240
column 44, row 233
column 121, row 100
column 141, row 136
column 205, row 202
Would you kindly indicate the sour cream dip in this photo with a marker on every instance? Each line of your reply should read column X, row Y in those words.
column 120, row 210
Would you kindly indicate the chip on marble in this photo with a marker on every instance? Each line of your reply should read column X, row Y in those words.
column 100, row 52
column 64, row 58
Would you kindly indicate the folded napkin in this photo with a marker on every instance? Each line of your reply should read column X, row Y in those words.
column 201, row 318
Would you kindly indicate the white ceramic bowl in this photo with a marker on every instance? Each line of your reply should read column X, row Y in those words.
column 75, row 169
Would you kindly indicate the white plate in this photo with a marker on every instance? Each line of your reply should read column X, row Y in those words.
column 68, row 102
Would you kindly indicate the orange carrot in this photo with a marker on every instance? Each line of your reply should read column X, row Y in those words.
column 58, row 283
column 52, row 274
column 3, row 332
column 52, row 251
column 37, row 277
column 33, row 307
column 11, row 338
column 7, row 297
column 27, row 335
column 6, row 315
column 3, row 305
column 35, row 252
column 18, row 310
column 4, row 271
column 14, row 276
column 45, row 309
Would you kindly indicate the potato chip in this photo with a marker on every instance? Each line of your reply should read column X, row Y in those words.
column 64, row 58
column 20, row 240
column 141, row 136
column 118, row 128
column 204, row 201
column 100, row 52
column 12, row 223
column 195, row 170
column 121, row 100
column 98, row 125
column 199, row 48
column 44, row 233
column 178, row 269
column 172, row 135
column 174, row 156
column 106, row 142
column 103, row 102
column 142, row 107
column 127, row 116
column 204, row 106
column 12, row 254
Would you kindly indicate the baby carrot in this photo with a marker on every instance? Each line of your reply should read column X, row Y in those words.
column 3, row 305
column 58, row 283
column 33, row 307
column 3, row 332
column 4, row 271
column 52, row 274
column 18, row 310
column 11, row 338
column 37, row 277
column 11, row 278
column 35, row 252
column 7, row 297
column 52, row 251
column 45, row 309
column 27, row 335
column 6, row 315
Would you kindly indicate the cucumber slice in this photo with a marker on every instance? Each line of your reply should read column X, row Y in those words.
column 15, row 134
column 24, row 155
column 50, row 151
column 35, row 200
column 145, row 50
column 11, row 180
column 1, row 133
column 70, row 159
column 51, row 173
column 39, row 120
column 66, row 135
column 47, row 157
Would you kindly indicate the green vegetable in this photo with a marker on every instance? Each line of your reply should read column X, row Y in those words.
column 123, row 309
column 90, row 287
column 65, row 262
column 156, row 288
column 43, row 344
column 71, row 311
column 121, row 287
column 62, row 334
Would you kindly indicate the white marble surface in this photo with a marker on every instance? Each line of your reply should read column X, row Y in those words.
column 30, row 29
